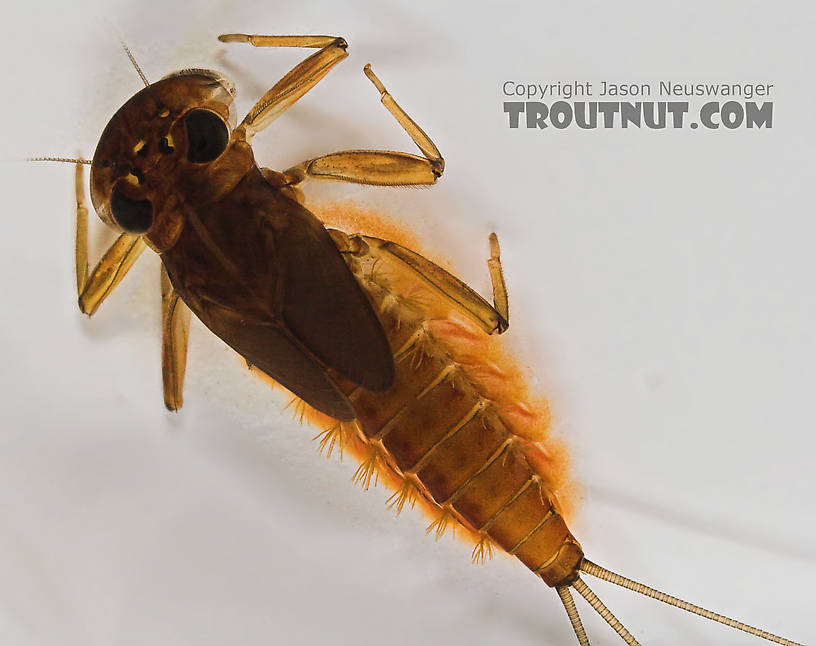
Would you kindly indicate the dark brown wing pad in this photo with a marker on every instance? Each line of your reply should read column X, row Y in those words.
column 327, row 310
column 274, row 351
column 278, row 291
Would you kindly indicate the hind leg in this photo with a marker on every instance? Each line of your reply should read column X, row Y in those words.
column 492, row 319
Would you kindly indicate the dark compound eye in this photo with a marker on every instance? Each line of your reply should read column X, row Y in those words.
column 207, row 136
column 134, row 216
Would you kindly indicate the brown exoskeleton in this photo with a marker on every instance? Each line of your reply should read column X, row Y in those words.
column 400, row 381
column 237, row 245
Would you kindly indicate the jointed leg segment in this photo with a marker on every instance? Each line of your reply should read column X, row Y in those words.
column 500, row 301
column 302, row 78
column 175, row 331
column 317, row 42
column 416, row 133
column 115, row 262
column 492, row 319
column 81, row 250
column 377, row 167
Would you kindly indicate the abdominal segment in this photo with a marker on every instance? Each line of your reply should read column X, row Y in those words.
column 454, row 432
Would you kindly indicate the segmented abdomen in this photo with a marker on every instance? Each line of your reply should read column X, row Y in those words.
column 453, row 432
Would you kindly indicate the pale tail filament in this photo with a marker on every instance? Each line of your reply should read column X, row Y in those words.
column 605, row 613
column 572, row 613
column 597, row 571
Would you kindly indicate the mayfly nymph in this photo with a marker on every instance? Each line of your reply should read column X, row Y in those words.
column 392, row 355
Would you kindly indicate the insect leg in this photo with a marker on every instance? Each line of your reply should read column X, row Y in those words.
column 175, row 331
column 116, row 261
column 302, row 78
column 379, row 167
column 494, row 266
column 398, row 259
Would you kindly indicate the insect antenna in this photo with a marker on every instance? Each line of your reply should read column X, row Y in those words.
column 597, row 571
column 572, row 612
column 135, row 64
column 70, row 160
column 163, row 111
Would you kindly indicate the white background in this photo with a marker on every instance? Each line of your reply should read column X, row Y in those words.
column 661, row 290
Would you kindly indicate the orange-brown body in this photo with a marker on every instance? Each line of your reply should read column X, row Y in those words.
column 391, row 352
column 260, row 270
column 453, row 431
